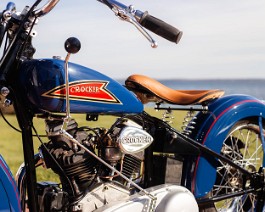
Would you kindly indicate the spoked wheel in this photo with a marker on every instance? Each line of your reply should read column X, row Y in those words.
column 243, row 146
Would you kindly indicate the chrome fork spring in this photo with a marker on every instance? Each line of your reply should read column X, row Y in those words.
column 189, row 122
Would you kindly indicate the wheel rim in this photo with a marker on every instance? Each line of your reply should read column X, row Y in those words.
column 243, row 146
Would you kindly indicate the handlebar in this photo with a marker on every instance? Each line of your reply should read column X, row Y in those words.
column 160, row 28
column 143, row 19
column 127, row 13
column 6, row 15
column 46, row 8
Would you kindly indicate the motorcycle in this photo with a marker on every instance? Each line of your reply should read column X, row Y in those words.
column 123, row 168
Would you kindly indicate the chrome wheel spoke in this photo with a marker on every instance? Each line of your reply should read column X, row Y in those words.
column 244, row 147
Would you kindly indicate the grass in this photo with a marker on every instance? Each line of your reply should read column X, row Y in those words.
column 11, row 144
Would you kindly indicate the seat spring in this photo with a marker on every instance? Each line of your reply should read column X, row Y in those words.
column 167, row 116
column 189, row 122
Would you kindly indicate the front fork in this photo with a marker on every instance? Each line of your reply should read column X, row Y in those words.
column 25, row 120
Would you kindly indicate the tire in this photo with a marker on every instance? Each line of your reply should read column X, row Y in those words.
column 243, row 146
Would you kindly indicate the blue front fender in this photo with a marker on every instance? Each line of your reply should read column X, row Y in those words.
column 9, row 197
column 212, row 129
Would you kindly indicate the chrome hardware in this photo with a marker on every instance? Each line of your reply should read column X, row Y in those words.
column 7, row 103
column 28, row 26
column 46, row 8
column 167, row 116
column 7, row 14
column 57, row 57
column 189, row 122
column 129, row 15
column 72, row 46
column 133, row 140
column 4, row 91
column 67, row 118
column 20, row 179
column 33, row 33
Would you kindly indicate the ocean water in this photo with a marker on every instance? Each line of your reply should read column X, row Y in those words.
column 252, row 87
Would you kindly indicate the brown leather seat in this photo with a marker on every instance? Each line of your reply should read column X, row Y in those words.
column 150, row 90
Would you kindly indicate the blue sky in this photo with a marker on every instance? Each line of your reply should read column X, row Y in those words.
column 221, row 39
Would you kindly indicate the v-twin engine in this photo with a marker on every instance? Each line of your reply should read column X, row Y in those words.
column 85, row 181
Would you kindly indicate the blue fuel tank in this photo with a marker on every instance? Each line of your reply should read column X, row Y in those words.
column 42, row 81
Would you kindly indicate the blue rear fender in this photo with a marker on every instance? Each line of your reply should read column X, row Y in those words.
column 212, row 129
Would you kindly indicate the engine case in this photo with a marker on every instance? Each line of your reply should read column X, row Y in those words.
column 101, row 195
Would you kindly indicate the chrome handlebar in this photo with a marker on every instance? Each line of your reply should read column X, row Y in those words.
column 46, row 8
column 142, row 19
column 126, row 13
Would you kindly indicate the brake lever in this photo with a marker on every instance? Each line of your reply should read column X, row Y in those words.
column 128, row 14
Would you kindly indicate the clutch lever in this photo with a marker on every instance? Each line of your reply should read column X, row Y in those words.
column 130, row 15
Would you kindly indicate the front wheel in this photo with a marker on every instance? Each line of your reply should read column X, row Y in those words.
column 243, row 145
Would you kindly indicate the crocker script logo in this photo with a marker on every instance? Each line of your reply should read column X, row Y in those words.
column 137, row 140
column 85, row 90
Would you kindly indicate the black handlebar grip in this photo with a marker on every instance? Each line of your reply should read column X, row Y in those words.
column 160, row 28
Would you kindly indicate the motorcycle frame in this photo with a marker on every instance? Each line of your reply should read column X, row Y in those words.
column 220, row 117
column 9, row 75
column 25, row 122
